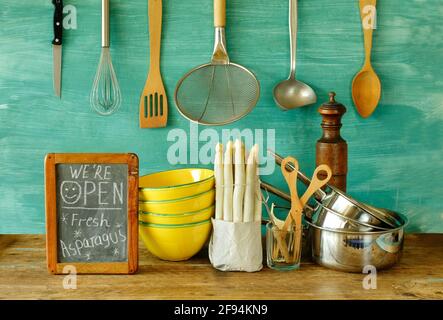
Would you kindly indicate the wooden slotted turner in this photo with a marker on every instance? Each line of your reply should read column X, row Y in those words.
column 153, row 100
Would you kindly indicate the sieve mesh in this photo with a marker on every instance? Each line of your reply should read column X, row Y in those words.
column 217, row 94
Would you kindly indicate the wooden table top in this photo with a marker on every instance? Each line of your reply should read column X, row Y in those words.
column 23, row 275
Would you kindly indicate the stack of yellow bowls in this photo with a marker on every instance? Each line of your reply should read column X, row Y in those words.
column 175, row 212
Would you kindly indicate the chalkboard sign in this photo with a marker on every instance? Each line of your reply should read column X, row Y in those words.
column 91, row 212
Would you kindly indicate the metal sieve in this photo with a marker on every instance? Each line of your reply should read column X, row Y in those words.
column 219, row 92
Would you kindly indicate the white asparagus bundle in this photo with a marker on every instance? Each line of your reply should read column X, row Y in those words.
column 250, row 190
column 258, row 198
column 227, row 183
column 218, row 169
column 239, row 181
column 258, row 195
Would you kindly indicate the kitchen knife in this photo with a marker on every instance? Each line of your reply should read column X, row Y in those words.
column 57, row 45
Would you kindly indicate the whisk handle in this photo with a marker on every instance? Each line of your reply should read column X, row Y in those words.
column 220, row 13
column 105, row 24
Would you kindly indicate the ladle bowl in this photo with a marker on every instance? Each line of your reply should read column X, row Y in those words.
column 291, row 93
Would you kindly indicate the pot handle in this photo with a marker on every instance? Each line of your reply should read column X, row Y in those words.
column 319, row 194
column 386, row 242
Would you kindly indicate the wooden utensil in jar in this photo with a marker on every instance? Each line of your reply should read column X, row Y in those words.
column 320, row 178
column 296, row 211
column 291, row 179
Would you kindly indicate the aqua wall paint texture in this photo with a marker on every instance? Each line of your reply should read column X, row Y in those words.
column 395, row 156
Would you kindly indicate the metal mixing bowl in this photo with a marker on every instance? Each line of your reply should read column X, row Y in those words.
column 339, row 202
column 329, row 218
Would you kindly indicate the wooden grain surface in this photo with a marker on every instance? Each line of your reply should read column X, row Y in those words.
column 23, row 275
column 393, row 156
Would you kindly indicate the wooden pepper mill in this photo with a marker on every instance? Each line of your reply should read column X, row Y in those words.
column 332, row 149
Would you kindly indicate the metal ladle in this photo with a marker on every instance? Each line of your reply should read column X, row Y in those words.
column 290, row 93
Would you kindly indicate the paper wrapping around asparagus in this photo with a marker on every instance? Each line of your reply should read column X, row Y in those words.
column 236, row 246
column 236, row 243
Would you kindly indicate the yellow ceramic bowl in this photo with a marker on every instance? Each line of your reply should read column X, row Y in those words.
column 184, row 218
column 179, row 206
column 175, row 184
column 175, row 242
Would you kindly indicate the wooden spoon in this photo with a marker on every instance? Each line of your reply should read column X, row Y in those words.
column 366, row 86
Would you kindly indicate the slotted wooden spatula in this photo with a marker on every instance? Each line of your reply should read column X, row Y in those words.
column 153, row 101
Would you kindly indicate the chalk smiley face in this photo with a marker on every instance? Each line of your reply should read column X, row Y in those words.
column 70, row 192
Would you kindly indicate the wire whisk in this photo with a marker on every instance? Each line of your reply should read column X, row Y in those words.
column 105, row 95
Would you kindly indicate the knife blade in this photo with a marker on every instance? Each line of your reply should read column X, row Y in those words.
column 57, row 46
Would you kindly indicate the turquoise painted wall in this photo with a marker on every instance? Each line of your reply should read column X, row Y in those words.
column 394, row 157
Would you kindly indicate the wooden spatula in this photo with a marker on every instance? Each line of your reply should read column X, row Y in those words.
column 153, row 101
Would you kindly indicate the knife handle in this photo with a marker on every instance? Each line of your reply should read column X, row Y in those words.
column 58, row 22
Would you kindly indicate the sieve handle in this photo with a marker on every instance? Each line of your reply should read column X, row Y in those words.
column 219, row 13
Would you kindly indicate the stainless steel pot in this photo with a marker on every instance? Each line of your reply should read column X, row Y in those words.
column 351, row 251
column 340, row 202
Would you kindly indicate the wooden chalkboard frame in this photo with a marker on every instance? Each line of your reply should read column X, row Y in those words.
column 51, row 161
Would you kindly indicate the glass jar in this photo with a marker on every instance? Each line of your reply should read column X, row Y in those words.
column 283, row 247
